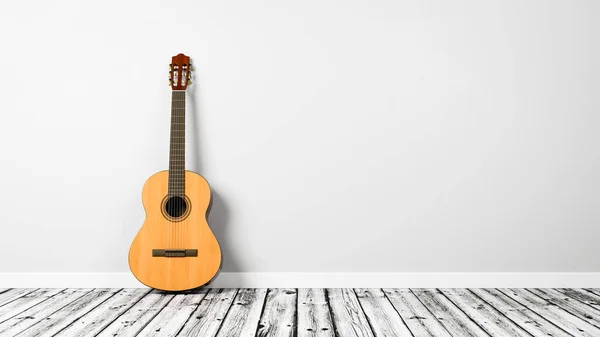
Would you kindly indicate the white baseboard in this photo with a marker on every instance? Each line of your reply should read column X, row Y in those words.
column 318, row 280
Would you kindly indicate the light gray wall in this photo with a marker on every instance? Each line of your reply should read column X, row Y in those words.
column 336, row 135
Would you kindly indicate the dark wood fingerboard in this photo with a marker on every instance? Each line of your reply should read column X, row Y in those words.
column 177, row 150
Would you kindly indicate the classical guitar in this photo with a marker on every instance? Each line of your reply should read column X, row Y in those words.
column 175, row 249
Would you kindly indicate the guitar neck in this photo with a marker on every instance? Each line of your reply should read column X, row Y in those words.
column 177, row 149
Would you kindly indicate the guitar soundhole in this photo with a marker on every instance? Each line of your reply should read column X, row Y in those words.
column 176, row 207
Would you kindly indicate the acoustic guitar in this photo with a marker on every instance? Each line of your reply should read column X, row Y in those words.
column 175, row 249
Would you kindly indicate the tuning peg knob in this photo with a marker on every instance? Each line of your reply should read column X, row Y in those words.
column 191, row 67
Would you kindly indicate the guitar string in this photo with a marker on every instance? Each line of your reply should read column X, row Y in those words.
column 181, row 154
column 183, row 201
column 177, row 154
column 182, row 133
column 170, row 195
column 177, row 169
column 179, row 178
column 176, row 175
column 166, row 210
column 173, row 226
column 168, row 207
column 173, row 173
column 183, row 237
column 176, row 165
column 174, row 189
column 181, row 173
column 176, row 158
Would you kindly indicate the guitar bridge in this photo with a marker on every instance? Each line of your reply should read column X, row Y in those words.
column 174, row 252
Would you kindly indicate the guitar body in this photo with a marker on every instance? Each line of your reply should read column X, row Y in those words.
column 189, row 231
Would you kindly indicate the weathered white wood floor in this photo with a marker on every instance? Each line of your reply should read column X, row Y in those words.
column 300, row 312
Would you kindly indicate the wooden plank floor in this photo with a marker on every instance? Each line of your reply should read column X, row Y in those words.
column 300, row 312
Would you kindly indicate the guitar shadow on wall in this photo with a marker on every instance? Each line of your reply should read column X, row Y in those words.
column 218, row 218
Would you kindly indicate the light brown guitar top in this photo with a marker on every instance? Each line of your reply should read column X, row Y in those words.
column 193, row 232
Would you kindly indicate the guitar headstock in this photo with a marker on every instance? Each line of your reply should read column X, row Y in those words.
column 180, row 72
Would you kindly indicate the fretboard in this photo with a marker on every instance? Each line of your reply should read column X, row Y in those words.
column 177, row 151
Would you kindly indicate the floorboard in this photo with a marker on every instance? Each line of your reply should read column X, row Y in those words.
column 207, row 318
column 171, row 318
column 314, row 317
column 300, row 312
column 12, row 294
column 448, row 314
column 279, row 314
column 101, row 316
column 25, row 302
column 558, row 316
column 134, row 319
column 60, row 319
column 244, row 315
column 40, row 312
column 484, row 315
column 593, row 291
column 527, row 319
column 349, row 320
column 583, row 296
column 569, row 304
column 384, row 319
column 420, row 321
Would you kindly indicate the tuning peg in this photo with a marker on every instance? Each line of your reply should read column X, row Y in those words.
column 191, row 67
column 170, row 66
column 189, row 82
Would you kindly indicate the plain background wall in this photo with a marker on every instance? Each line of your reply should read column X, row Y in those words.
column 355, row 136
